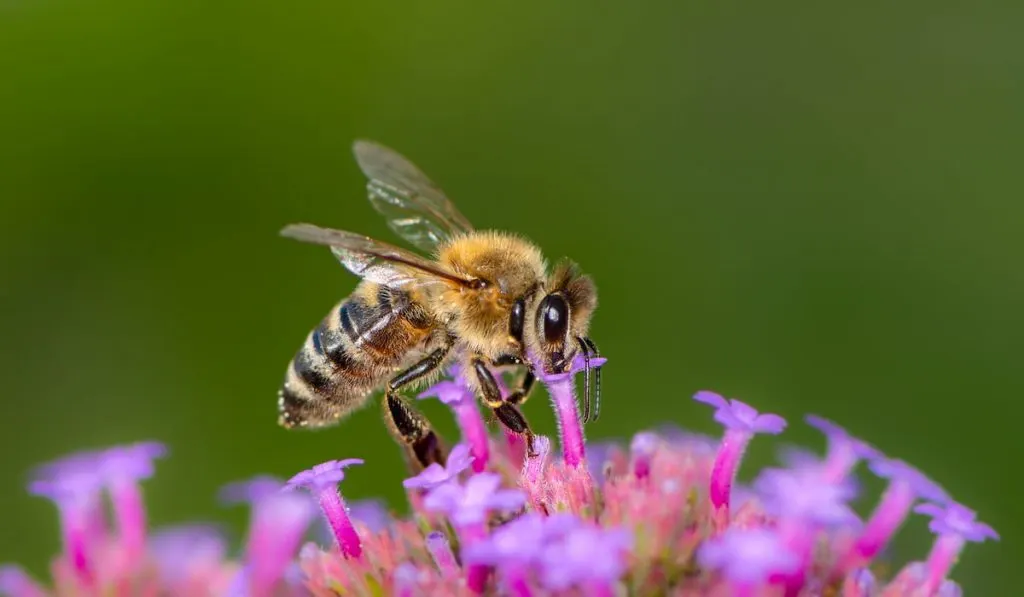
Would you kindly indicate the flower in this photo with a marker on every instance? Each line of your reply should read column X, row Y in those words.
column 436, row 475
column 250, row 490
column 469, row 504
column 322, row 481
column 657, row 515
column 844, row 450
column 741, row 422
column 586, row 556
column 906, row 485
column 747, row 558
column 459, row 397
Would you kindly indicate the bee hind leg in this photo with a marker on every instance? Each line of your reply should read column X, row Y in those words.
column 506, row 411
column 423, row 446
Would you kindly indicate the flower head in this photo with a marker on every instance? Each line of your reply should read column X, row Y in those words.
column 322, row 476
column 585, row 555
column 322, row 481
column 804, row 495
column 250, row 490
column 449, row 392
column 470, row 503
column 459, row 459
column 748, row 556
column 957, row 520
column 733, row 414
column 185, row 552
column 900, row 471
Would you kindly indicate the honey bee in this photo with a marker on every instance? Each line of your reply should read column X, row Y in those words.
column 484, row 300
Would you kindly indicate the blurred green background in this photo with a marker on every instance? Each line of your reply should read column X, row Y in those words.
column 814, row 207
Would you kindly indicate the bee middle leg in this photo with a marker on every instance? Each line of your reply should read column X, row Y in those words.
column 413, row 429
column 507, row 412
column 520, row 395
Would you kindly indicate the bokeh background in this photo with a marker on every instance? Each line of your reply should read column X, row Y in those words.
column 815, row 207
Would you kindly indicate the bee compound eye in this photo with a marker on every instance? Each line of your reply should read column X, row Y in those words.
column 515, row 322
column 554, row 313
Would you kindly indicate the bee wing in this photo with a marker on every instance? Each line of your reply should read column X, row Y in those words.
column 415, row 208
column 374, row 260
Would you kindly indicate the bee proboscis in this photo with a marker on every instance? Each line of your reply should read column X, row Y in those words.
column 484, row 299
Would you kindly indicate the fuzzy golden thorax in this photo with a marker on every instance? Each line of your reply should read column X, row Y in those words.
column 511, row 268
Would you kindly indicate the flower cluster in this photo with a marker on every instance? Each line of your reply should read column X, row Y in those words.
column 663, row 515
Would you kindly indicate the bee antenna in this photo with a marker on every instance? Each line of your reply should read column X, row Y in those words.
column 586, row 379
column 597, row 376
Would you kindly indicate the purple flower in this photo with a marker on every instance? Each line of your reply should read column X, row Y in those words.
column 643, row 447
column 741, row 422
column 183, row 551
column 906, row 485
column 521, row 542
column 441, row 552
column 74, row 484
column 955, row 525
column 803, row 495
column 250, row 490
column 586, row 556
column 748, row 557
column 372, row 513
column 957, row 520
column 15, row 582
column 733, row 414
column 322, row 481
column 279, row 521
column 462, row 402
column 844, row 450
column 436, row 475
column 469, row 504
column 563, row 396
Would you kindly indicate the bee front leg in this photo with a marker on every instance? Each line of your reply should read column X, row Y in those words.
column 409, row 426
column 519, row 396
column 507, row 413
column 525, row 385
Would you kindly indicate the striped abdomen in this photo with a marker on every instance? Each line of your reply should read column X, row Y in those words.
column 364, row 341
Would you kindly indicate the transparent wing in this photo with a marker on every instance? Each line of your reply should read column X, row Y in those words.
column 414, row 207
column 374, row 260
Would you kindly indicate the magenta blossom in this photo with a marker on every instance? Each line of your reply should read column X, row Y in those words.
column 642, row 518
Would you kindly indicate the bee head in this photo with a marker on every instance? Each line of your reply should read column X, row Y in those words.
column 552, row 323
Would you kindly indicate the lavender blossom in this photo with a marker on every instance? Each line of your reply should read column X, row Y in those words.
column 741, row 422
column 844, row 450
column 435, row 475
column 906, row 484
column 464, row 404
column 563, row 396
column 15, row 582
column 278, row 523
column 747, row 558
column 322, row 481
column 955, row 525
column 647, row 522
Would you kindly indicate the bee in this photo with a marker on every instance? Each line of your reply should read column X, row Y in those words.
column 484, row 300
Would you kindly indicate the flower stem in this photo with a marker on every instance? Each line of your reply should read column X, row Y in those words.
column 130, row 515
column 563, row 395
column 345, row 534
column 476, row 574
column 884, row 521
column 441, row 551
column 474, row 431
column 941, row 560
column 723, row 474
